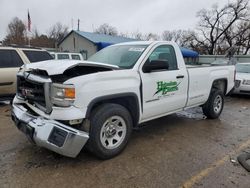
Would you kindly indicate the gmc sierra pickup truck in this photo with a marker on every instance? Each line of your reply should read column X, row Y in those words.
column 96, row 103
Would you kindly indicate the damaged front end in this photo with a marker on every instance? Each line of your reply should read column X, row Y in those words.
column 49, row 134
column 42, row 92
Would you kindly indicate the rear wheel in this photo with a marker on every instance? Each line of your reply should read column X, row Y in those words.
column 110, row 129
column 214, row 105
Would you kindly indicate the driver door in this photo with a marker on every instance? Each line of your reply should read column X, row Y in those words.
column 164, row 91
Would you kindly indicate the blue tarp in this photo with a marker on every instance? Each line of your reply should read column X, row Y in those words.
column 189, row 53
column 101, row 45
column 185, row 52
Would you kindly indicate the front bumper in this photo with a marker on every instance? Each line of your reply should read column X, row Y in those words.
column 242, row 89
column 49, row 134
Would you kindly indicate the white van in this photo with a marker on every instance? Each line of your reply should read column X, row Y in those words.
column 66, row 55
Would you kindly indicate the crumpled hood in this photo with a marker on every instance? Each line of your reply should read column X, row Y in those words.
column 54, row 67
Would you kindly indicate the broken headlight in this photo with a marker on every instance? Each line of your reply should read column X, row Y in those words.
column 62, row 95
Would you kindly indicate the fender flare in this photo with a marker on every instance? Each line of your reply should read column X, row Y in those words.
column 113, row 97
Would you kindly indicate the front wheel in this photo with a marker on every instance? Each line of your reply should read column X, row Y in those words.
column 110, row 129
column 214, row 105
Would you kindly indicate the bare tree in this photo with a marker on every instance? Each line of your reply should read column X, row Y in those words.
column 243, row 38
column 171, row 35
column 16, row 32
column 107, row 30
column 151, row 36
column 42, row 41
column 181, row 37
column 57, row 32
column 137, row 35
column 215, row 23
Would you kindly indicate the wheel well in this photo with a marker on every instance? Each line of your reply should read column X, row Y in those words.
column 129, row 102
column 220, row 84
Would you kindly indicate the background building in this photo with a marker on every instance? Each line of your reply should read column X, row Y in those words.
column 88, row 43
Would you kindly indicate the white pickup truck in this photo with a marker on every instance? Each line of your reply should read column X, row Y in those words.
column 96, row 103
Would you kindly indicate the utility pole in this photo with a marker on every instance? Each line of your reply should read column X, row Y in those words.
column 78, row 25
column 72, row 23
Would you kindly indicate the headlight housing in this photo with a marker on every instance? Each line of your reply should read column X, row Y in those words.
column 62, row 95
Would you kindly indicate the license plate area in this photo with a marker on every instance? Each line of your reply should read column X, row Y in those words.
column 57, row 136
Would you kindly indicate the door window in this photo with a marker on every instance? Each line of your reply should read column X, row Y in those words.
column 35, row 56
column 164, row 53
column 62, row 56
column 10, row 58
column 76, row 57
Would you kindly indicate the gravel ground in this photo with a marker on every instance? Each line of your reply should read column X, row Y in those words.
column 180, row 150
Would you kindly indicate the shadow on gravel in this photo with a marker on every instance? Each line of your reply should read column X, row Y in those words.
column 33, row 157
column 240, row 96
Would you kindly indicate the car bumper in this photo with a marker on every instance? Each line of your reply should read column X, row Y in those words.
column 49, row 134
column 242, row 89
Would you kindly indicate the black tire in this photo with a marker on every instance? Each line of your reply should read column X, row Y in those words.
column 210, row 109
column 98, row 118
column 243, row 158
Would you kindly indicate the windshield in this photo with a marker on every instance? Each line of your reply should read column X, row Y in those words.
column 123, row 56
column 243, row 68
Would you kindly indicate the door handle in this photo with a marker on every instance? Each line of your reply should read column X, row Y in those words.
column 180, row 76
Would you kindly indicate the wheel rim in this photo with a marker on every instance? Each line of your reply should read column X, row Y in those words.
column 217, row 104
column 113, row 132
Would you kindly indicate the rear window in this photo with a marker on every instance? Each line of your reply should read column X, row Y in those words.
column 62, row 56
column 35, row 56
column 10, row 58
column 76, row 57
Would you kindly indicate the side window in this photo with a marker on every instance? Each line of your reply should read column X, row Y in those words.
column 76, row 57
column 35, row 56
column 16, row 59
column 10, row 58
column 165, row 52
column 62, row 56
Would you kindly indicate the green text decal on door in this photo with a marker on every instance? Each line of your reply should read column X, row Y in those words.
column 166, row 87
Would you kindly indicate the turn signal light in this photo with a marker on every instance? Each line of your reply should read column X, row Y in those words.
column 69, row 93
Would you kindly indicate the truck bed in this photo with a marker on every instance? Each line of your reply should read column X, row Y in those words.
column 200, row 81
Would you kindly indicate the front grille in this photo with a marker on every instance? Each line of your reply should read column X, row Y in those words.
column 32, row 91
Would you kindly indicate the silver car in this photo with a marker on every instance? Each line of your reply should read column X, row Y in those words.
column 242, row 82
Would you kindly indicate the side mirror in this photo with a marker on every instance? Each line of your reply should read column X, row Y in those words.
column 155, row 65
